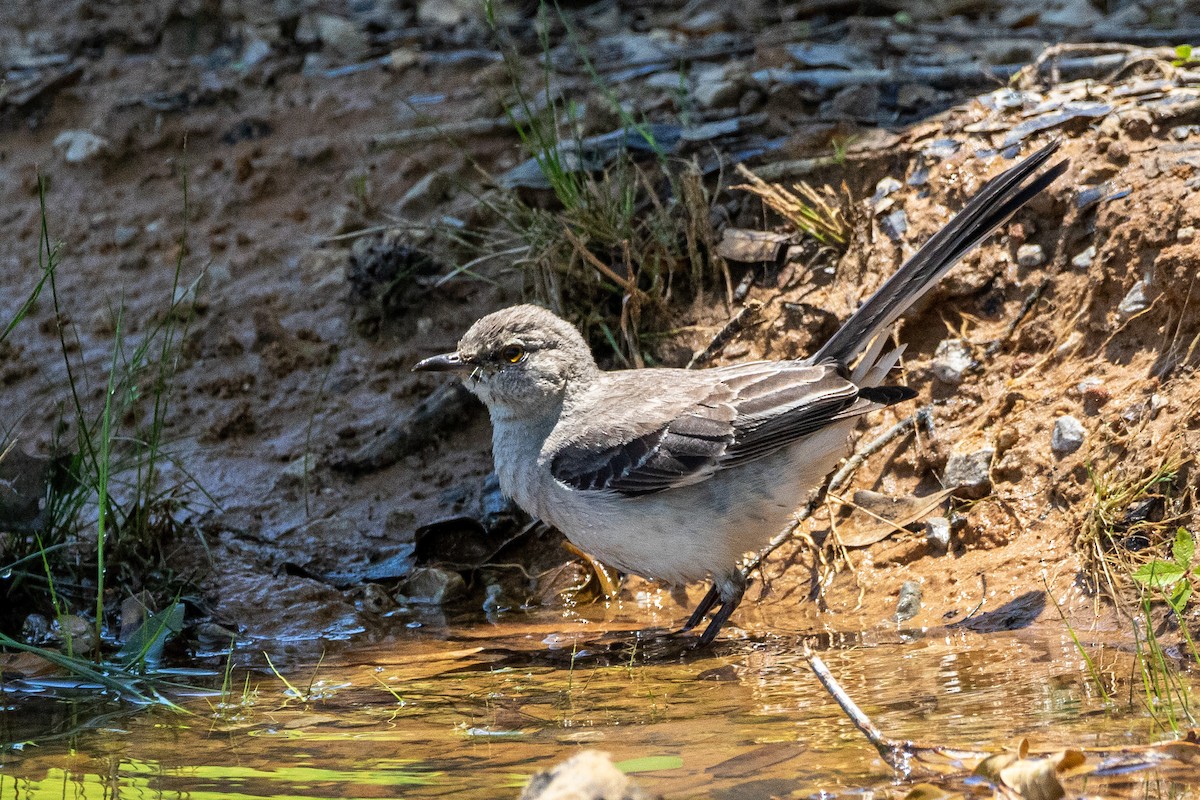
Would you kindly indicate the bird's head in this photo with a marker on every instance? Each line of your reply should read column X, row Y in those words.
column 520, row 361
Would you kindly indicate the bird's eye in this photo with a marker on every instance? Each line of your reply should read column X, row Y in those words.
column 513, row 353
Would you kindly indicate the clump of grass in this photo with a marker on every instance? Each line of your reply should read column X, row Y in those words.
column 621, row 243
column 1137, row 553
column 818, row 214
column 105, row 527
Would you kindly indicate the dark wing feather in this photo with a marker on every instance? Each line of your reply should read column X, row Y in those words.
column 683, row 451
column 749, row 411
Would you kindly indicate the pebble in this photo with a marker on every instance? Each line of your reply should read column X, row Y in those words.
column 1030, row 255
column 1084, row 260
column 951, row 361
column 909, row 604
column 432, row 586
column 857, row 102
column 294, row 473
column 124, row 234
column 1185, row 234
column 341, row 36
column 937, row 534
column 1134, row 302
column 1068, row 435
column 895, row 225
column 79, row 146
column 969, row 473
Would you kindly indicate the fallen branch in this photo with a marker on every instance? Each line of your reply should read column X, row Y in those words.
column 897, row 755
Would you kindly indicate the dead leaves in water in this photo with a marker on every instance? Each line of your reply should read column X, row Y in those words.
column 1018, row 775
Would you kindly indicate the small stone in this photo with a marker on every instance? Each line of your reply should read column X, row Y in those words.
column 342, row 36
column 35, row 629
column 76, row 635
column 1185, row 234
column 402, row 58
column 1084, row 260
column 885, row 187
column 909, row 604
column 295, row 473
column 255, row 52
column 713, row 87
column 951, row 361
column 857, row 102
column 440, row 13
column 915, row 96
column 1137, row 123
column 937, row 534
column 432, row 586
column 373, row 598
column 1068, row 435
column 895, row 225
column 1157, row 404
column 1007, row 438
column 124, row 234
column 969, row 473
column 1134, row 302
column 1030, row 255
column 79, row 146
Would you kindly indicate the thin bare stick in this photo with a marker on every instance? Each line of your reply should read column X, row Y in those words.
column 897, row 755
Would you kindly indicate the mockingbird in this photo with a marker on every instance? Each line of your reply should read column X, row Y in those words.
column 676, row 474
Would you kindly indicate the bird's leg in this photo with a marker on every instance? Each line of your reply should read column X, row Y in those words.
column 702, row 610
column 730, row 589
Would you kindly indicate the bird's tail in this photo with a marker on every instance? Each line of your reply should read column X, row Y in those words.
column 998, row 200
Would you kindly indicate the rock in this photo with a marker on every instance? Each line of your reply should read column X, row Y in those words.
column 951, row 361
column 1084, row 259
column 402, row 58
column 857, row 102
column 341, row 36
column 80, row 146
column 909, row 604
column 295, row 473
column 1134, row 302
column 895, row 225
column 76, row 635
column 1030, row 255
column 432, row 586
column 1137, row 123
column 255, row 52
column 937, row 534
column 441, row 13
column 1068, row 435
column 713, row 88
column 35, row 629
column 373, row 598
column 969, row 473
column 885, row 187
column 1185, row 234
column 915, row 96
column 589, row 774
column 124, row 234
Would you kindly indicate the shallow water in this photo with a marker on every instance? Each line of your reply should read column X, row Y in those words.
column 472, row 711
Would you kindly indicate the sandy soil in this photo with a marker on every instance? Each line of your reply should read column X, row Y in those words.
column 276, row 366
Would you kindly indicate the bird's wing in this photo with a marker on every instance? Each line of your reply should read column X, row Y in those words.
column 635, row 442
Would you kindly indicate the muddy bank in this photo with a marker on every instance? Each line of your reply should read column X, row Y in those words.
column 1057, row 359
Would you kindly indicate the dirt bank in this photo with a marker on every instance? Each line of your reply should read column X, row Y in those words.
column 283, row 128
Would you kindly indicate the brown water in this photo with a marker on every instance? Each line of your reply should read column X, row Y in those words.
column 474, row 714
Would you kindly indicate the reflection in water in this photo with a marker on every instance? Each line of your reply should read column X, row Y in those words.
column 475, row 716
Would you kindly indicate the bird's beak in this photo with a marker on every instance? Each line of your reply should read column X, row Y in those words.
column 446, row 362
